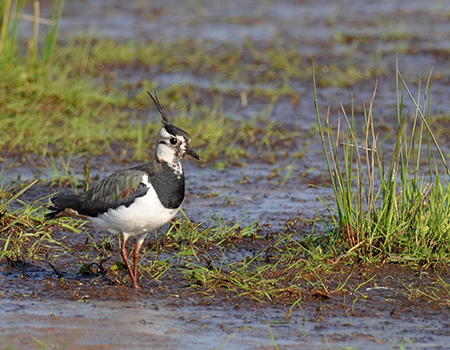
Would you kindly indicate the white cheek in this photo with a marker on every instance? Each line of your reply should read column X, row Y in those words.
column 165, row 153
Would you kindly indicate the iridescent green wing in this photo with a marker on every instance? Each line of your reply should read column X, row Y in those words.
column 120, row 188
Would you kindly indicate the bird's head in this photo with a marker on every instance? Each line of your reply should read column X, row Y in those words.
column 173, row 142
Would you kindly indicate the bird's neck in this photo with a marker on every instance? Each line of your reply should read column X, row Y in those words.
column 174, row 163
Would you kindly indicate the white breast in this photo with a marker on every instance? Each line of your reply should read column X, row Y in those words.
column 144, row 215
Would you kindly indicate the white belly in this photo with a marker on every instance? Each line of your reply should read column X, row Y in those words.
column 144, row 215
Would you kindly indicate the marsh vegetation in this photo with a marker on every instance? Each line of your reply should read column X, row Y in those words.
column 259, row 113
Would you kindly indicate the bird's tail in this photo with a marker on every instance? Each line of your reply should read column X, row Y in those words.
column 60, row 204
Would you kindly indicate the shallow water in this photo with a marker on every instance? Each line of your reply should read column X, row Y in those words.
column 152, row 324
column 140, row 320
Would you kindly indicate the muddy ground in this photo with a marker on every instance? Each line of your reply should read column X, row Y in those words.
column 48, row 305
column 45, row 307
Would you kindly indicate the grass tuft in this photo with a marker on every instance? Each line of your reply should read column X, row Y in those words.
column 11, row 15
column 388, row 206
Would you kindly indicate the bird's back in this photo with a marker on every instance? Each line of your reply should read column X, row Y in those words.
column 122, row 188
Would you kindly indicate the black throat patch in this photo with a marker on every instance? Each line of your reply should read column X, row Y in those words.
column 168, row 186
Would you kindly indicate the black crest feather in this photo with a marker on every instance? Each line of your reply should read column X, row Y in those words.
column 165, row 121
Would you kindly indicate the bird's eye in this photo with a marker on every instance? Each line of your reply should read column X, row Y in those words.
column 173, row 141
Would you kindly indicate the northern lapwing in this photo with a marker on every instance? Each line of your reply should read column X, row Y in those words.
column 138, row 200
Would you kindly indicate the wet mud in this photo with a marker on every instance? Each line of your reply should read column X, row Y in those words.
column 42, row 308
column 56, row 305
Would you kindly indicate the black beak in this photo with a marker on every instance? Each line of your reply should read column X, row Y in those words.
column 192, row 153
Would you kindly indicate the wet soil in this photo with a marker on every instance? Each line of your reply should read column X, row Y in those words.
column 384, row 307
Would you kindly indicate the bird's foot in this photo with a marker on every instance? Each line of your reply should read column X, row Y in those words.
column 137, row 286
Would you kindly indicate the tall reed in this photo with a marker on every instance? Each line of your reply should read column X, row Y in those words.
column 387, row 205
column 12, row 12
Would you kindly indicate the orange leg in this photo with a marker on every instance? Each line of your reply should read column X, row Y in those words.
column 137, row 248
column 133, row 274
